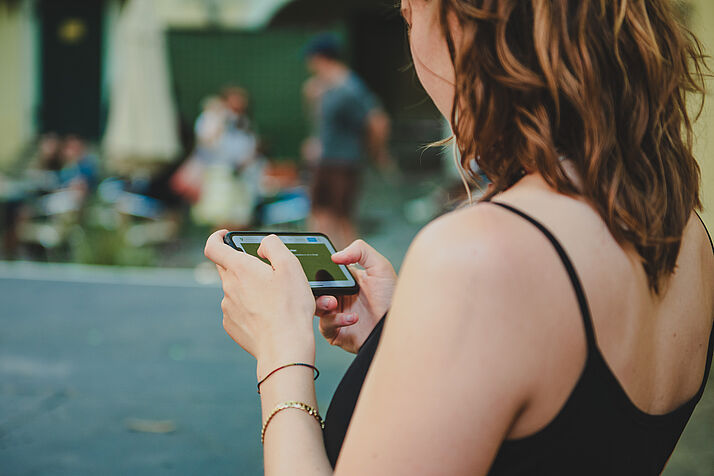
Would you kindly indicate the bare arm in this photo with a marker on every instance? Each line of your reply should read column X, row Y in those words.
column 452, row 370
column 378, row 132
column 293, row 440
column 268, row 310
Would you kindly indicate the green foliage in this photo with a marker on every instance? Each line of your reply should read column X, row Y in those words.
column 100, row 246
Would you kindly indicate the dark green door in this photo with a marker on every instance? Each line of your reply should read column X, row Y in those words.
column 71, row 66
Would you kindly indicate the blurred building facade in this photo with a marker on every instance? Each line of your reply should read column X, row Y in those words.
column 18, row 75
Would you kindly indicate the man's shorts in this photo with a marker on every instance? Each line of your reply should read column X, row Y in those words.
column 335, row 189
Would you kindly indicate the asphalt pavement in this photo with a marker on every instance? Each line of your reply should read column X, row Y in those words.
column 102, row 376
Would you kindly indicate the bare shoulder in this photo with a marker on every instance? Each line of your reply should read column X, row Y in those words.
column 479, row 232
column 481, row 271
column 479, row 244
column 497, row 283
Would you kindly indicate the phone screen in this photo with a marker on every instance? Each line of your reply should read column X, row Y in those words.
column 313, row 251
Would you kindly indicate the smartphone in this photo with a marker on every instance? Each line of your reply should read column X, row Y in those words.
column 313, row 250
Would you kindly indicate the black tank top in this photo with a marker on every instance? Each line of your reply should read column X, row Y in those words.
column 598, row 431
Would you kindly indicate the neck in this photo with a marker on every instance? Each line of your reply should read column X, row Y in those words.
column 336, row 73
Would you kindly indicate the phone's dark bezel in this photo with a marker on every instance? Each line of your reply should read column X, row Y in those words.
column 321, row 291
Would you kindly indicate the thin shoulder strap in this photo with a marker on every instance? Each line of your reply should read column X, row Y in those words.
column 705, row 229
column 574, row 280
column 710, row 351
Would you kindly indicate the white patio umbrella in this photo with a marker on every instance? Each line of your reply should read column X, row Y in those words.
column 141, row 131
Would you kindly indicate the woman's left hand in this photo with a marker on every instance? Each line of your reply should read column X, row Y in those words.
column 268, row 309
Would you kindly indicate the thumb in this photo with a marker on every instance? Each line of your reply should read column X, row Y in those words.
column 217, row 251
column 275, row 251
column 361, row 253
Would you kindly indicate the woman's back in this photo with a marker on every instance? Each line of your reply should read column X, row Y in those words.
column 655, row 344
column 624, row 397
column 592, row 406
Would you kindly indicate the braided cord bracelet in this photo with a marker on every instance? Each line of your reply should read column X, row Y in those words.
column 317, row 372
column 284, row 406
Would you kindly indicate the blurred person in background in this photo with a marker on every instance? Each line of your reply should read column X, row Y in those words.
column 224, row 131
column 560, row 326
column 187, row 181
column 350, row 125
column 228, row 158
column 312, row 90
column 236, row 101
column 210, row 124
column 58, row 182
column 79, row 167
column 40, row 177
column 49, row 157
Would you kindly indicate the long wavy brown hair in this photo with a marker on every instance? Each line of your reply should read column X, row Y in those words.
column 603, row 83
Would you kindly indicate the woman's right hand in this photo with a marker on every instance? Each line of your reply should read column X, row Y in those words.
column 347, row 321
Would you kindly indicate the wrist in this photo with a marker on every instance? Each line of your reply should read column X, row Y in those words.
column 285, row 350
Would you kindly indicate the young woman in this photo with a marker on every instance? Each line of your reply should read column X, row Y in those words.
column 561, row 326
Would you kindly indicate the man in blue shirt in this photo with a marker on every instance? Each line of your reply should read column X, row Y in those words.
column 351, row 125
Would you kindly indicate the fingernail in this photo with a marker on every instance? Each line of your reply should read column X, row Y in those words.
column 350, row 318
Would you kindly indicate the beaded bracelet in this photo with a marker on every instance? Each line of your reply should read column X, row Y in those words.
column 317, row 372
column 284, row 406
